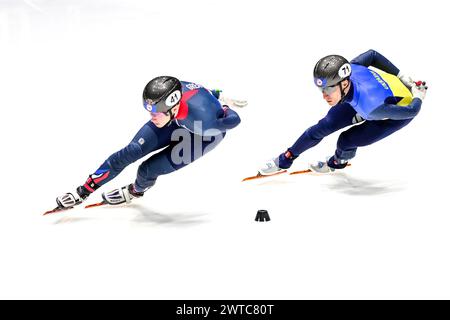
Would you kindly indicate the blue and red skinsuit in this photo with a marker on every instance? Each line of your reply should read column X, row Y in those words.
column 201, row 121
column 374, row 96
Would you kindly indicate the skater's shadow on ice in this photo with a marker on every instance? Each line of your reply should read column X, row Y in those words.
column 137, row 214
column 146, row 215
column 344, row 183
column 71, row 220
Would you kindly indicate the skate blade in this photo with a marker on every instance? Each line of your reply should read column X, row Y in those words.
column 260, row 176
column 300, row 172
column 57, row 209
column 95, row 205
column 320, row 173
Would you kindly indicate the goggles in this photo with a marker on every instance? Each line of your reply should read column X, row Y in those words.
column 328, row 90
column 152, row 107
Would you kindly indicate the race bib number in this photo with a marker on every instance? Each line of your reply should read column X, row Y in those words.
column 173, row 98
column 345, row 71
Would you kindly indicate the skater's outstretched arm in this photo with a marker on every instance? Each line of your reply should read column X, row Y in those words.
column 339, row 116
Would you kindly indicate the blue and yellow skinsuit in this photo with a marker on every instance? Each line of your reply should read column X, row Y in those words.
column 376, row 97
column 201, row 123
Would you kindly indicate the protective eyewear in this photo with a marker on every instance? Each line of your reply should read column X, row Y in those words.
column 328, row 90
column 152, row 107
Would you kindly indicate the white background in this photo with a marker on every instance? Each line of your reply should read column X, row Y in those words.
column 71, row 79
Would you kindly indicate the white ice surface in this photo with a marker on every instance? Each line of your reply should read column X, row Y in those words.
column 71, row 79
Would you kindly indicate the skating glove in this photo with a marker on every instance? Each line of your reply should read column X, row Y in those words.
column 419, row 90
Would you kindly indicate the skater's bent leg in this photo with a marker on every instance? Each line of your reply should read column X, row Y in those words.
column 149, row 170
column 176, row 156
column 365, row 134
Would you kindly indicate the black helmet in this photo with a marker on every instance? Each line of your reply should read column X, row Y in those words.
column 331, row 70
column 162, row 94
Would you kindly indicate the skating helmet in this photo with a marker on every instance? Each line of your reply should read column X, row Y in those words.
column 162, row 94
column 330, row 71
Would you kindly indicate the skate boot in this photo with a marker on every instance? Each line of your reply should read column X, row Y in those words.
column 121, row 195
column 269, row 168
column 327, row 166
column 71, row 199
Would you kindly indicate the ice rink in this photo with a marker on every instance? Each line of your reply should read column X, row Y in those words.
column 71, row 80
